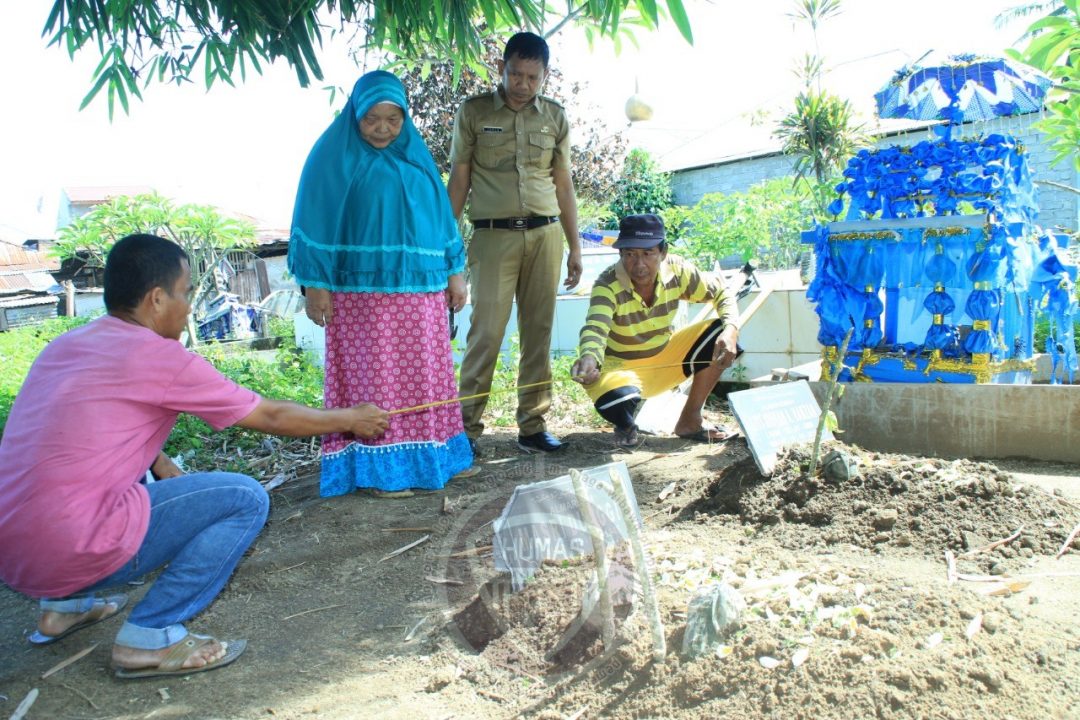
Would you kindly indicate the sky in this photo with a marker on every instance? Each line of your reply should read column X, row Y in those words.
column 242, row 148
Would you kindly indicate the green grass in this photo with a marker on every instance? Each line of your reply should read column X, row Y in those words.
column 286, row 374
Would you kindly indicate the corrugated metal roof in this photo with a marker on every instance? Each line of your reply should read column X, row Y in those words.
column 27, row 301
column 37, row 281
column 15, row 257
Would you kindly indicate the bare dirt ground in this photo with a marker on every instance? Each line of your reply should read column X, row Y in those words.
column 850, row 611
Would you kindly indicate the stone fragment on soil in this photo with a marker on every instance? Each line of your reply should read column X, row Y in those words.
column 884, row 518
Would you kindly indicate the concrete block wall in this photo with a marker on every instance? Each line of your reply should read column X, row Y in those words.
column 962, row 421
column 1056, row 207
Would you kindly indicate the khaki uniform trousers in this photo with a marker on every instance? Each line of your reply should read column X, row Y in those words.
column 504, row 265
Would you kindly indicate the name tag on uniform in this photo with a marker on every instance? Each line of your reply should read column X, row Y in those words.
column 492, row 129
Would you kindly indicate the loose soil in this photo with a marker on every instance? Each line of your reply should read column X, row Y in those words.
column 851, row 609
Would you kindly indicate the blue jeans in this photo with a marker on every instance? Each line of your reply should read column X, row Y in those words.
column 200, row 526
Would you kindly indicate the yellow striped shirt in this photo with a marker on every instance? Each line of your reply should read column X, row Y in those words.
column 620, row 324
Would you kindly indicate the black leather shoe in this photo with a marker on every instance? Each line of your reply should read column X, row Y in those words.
column 539, row 442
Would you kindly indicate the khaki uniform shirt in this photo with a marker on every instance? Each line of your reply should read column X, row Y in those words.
column 512, row 154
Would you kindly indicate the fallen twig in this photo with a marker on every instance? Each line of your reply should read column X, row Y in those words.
column 287, row 568
column 64, row 663
column 1068, row 541
column 980, row 578
column 442, row 580
column 665, row 509
column 994, row 545
column 406, row 529
column 577, row 714
column 81, row 694
column 519, row 671
column 470, row 552
column 406, row 548
column 312, row 610
column 409, row 635
column 950, row 567
column 491, row 695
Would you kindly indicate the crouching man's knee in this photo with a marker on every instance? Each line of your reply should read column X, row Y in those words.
column 620, row 406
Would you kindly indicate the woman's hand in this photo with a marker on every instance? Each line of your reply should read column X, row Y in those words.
column 320, row 306
column 455, row 292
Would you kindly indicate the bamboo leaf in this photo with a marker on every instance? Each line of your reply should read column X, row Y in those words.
column 681, row 20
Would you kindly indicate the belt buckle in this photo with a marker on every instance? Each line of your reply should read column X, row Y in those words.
column 519, row 223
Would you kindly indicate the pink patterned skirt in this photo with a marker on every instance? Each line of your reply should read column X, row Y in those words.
column 393, row 350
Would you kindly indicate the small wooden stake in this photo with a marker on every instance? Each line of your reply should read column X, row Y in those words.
column 641, row 568
column 600, row 556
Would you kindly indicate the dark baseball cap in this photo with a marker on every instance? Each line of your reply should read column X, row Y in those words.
column 640, row 231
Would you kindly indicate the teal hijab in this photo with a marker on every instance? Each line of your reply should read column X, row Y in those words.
column 369, row 219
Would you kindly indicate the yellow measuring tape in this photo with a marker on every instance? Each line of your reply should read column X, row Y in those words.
column 438, row 403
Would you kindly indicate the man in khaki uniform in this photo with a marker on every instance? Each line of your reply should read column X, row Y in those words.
column 511, row 148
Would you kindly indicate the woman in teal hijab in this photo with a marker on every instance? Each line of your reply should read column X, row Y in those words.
column 377, row 247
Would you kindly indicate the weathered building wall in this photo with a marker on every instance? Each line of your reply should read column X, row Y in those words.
column 1056, row 207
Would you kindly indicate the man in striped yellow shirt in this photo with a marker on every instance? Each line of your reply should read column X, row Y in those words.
column 628, row 351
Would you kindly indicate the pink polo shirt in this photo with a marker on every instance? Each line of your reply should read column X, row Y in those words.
column 91, row 417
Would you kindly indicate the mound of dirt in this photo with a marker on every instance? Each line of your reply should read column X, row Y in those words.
column 926, row 504
column 831, row 630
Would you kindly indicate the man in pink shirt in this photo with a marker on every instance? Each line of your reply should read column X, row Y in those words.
column 92, row 416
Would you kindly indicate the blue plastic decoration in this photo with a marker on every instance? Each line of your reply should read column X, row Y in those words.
column 965, row 89
column 1000, row 269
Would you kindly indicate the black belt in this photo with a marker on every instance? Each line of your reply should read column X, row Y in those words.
column 515, row 223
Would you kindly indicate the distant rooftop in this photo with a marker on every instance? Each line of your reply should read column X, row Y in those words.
column 97, row 194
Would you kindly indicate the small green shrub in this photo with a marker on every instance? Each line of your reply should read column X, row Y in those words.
column 286, row 374
column 642, row 188
column 570, row 405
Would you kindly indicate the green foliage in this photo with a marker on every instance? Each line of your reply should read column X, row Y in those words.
column 592, row 213
column 18, row 349
column 762, row 223
column 821, row 133
column 435, row 89
column 204, row 234
column 289, row 374
column 570, row 404
column 145, row 41
column 1042, row 330
column 1055, row 49
column 641, row 188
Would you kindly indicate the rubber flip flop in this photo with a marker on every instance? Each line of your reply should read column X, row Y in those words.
column 468, row 472
column 120, row 601
column 629, row 439
column 390, row 494
column 172, row 663
column 705, row 435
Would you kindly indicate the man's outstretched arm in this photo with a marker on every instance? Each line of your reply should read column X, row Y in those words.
column 281, row 417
